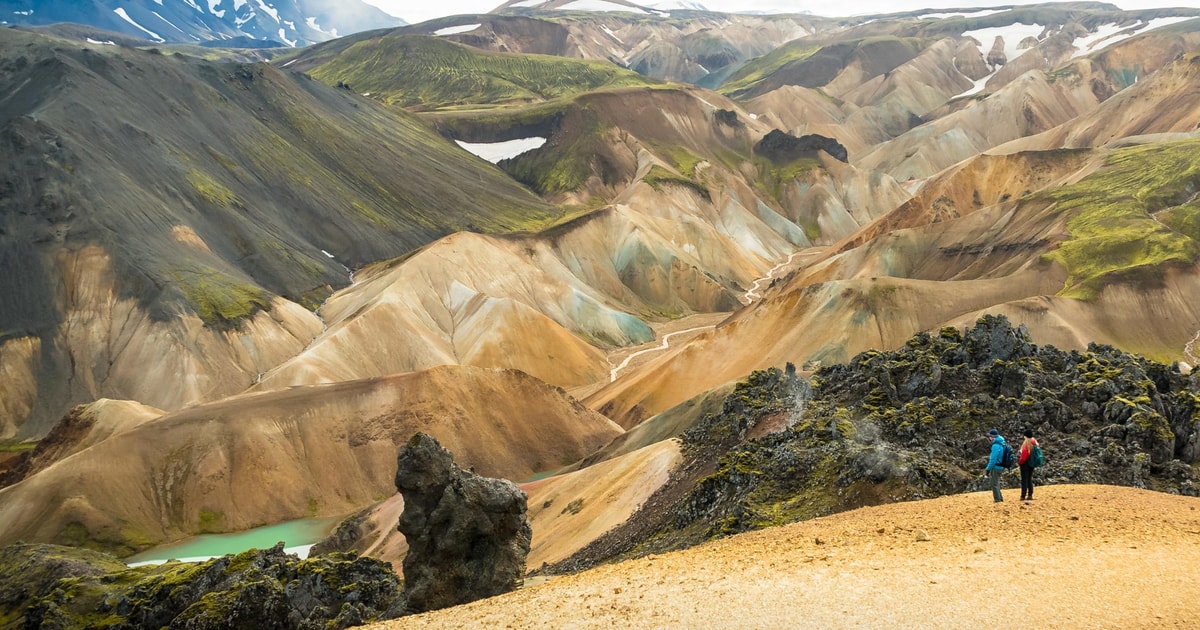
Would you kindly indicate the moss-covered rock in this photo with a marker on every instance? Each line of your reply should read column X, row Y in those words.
column 46, row 586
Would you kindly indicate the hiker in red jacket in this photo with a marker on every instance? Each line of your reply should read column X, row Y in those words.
column 1024, row 459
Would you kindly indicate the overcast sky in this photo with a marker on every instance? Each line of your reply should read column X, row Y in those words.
column 413, row 11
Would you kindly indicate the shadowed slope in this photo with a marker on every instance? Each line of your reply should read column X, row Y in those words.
column 163, row 202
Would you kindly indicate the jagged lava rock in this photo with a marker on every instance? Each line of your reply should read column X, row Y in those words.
column 781, row 147
column 468, row 536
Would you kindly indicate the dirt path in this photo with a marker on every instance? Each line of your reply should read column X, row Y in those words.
column 1077, row 557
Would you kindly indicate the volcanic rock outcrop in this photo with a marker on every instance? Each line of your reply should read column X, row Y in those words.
column 780, row 147
column 910, row 424
column 47, row 586
column 468, row 536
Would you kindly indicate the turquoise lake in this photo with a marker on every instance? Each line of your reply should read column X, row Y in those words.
column 297, row 537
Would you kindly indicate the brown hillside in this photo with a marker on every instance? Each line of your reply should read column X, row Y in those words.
column 1165, row 102
column 1031, row 104
column 566, row 511
column 1076, row 557
column 314, row 451
column 82, row 427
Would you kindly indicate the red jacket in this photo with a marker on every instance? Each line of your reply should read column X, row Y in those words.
column 1026, row 450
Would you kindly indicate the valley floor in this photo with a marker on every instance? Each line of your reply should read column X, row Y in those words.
column 1076, row 557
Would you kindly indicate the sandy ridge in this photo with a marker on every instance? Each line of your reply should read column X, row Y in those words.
column 1077, row 557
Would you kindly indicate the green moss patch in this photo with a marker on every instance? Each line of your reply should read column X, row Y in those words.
column 658, row 176
column 211, row 190
column 17, row 447
column 218, row 299
column 755, row 71
column 210, row 522
column 1113, row 235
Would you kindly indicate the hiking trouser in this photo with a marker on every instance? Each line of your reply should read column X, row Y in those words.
column 1026, row 481
column 994, row 476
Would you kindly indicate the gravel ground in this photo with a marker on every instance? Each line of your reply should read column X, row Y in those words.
column 1076, row 557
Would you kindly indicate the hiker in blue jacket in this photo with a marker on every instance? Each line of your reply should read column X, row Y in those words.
column 994, row 465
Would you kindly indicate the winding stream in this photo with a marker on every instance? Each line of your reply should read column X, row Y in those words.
column 748, row 298
column 1189, row 350
column 753, row 294
column 666, row 341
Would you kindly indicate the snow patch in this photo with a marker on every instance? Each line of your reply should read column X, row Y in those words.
column 529, row 4
column 312, row 23
column 978, row 87
column 120, row 11
column 1109, row 34
column 269, row 10
column 283, row 36
column 677, row 5
column 29, row 12
column 611, row 34
column 1013, row 34
column 942, row 16
column 106, row 43
column 598, row 5
column 454, row 30
column 212, row 8
column 195, row 6
column 169, row 23
column 496, row 151
column 290, row 62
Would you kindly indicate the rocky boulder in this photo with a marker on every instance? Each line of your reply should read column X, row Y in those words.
column 781, row 147
column 468, row 536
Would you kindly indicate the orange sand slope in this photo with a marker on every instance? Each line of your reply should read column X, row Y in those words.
column 1076, row 557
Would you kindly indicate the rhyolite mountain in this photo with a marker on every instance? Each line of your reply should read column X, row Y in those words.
column 282, row 269
column 248, row 23
column 163, row 215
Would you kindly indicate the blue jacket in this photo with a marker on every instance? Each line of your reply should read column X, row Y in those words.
column 997, row 454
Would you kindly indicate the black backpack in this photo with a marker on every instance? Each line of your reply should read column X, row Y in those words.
column 1006, row 458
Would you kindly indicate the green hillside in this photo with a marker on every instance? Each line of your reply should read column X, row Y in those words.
column 811, row 65
column 431, row 72
column 1116, row 233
